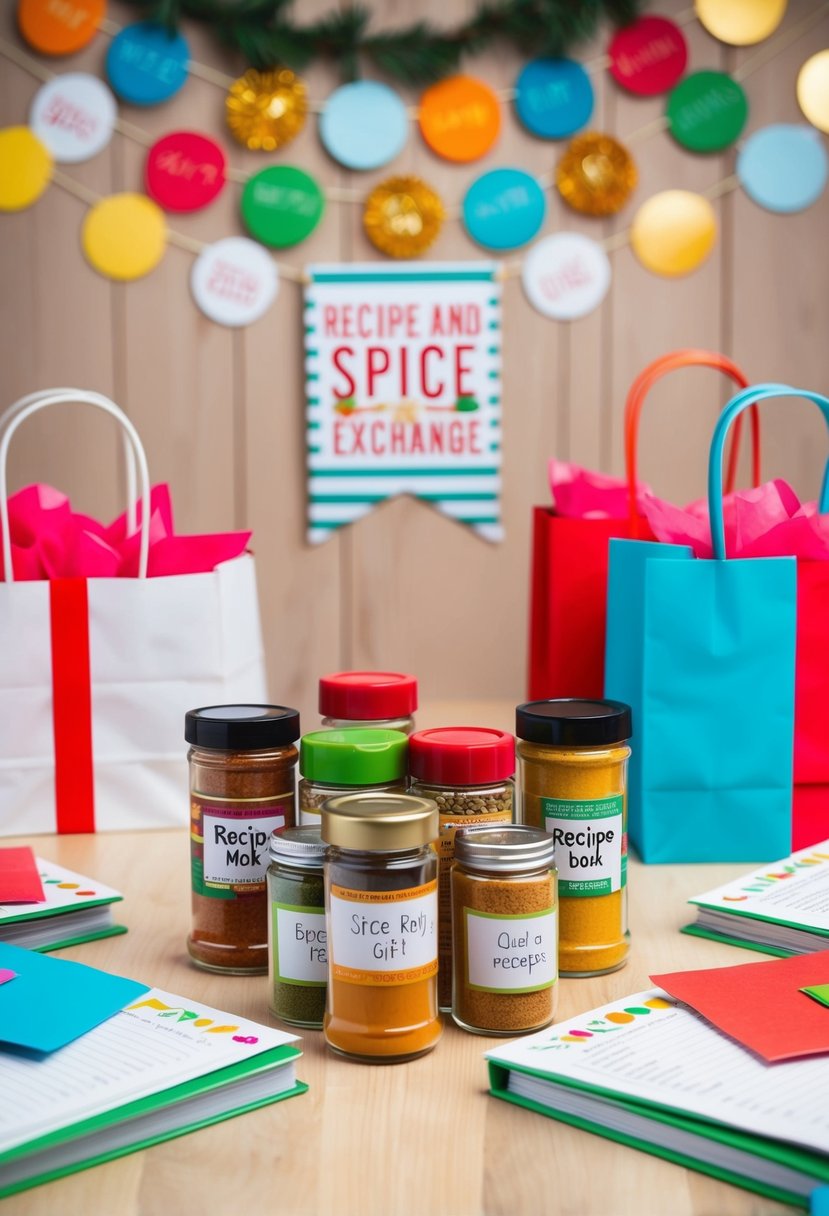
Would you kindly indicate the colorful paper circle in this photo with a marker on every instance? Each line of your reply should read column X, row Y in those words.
column 460, row 118
column 281, row 206
column 674, row 232
column 554, row 97
column 184, row 171
column 74, row 115
column 364, row 125
column 783, row 167
column 25, row 168
column 813, row 90
column 146, row 65
column 123, row 236
column 504, row 209
column 566, row 276
column 648, row 56
column 596, row 174
column 234, row 281
column 740, row 22
column 62, row 28
column 707, row 111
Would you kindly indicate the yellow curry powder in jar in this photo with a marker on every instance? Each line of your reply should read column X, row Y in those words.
column 572, row 768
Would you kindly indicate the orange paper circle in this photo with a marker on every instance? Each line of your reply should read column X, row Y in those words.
column 460, row 118
column 59, row 29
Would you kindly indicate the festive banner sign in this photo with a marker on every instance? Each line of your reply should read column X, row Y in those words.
column 404, row 391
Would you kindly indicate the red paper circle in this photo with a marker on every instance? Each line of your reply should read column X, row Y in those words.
column 185, row 171
column 648, row 56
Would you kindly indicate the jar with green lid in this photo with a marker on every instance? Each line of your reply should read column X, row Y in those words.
column 297, row 937
column 333, row 762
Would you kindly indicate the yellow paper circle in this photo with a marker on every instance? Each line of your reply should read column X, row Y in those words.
column 124, row 236
column 673, row 232
column 740, row 22
column 25, row 168
column 813, row 90
column 266, row 110
column 403, row 216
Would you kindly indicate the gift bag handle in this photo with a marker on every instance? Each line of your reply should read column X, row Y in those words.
column 749, row 399
column 640, row 388
column 25, row 408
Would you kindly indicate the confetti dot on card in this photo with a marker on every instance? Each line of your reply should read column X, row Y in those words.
column 68, row 886
column 619, row 1017
column 84, row 892
column 656, row 1002
column 636, row 1010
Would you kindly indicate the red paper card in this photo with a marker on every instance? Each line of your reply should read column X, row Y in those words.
column 759, row 1004
column 19, row 877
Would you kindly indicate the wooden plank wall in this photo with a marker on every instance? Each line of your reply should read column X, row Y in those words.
column 221, row 412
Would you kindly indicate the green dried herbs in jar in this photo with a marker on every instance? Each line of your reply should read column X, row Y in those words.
column 297, row 936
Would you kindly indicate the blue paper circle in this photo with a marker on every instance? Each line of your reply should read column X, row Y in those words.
column 146, row 65
column 554, row 97
column 783, row 167
column 504, row 209
column 364, row 125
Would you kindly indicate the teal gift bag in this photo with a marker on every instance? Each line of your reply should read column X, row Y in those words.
column 704, row 653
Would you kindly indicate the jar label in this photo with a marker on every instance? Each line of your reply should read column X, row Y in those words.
column 384, row 937
column 229, row 843
column 591, row 843
column 511, row 953
column 300, row 945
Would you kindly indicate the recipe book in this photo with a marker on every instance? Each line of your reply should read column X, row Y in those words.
column 782, row 908
column 650, row 1073
column 76, row 909
column 161, row 1067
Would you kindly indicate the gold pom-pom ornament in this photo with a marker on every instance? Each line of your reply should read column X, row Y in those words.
column 266, row 110
column 403, row 217
column 596, row 174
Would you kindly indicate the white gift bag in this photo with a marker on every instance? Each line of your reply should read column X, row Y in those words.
column 97, row 674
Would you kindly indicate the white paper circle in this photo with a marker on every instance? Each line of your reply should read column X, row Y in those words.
column 234, row 281
column 74, row 116
column 566, row 276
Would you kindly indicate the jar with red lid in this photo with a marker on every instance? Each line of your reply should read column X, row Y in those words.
column 468, row 771
column 383, row 699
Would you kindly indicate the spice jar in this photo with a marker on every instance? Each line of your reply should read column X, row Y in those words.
column 468, row 771
column 572, row 758
column 504, row 921
column 385, row 699
column 381, row 905
column 297, row 938
column 242, row 762
column 336, row 762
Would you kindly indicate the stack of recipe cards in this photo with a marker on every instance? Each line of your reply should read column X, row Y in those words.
column 44, row 906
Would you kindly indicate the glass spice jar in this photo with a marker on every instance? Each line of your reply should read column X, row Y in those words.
column 572, row 764
column 297, row 937
column 242, row 785
column 382, row 911
column 504, row 924
column 334, row 762
column 385, row 699
column 468, row 771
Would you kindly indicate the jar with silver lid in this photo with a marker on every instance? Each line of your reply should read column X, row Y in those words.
column 297, row 936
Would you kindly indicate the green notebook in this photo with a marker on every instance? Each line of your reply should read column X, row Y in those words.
column 161, row 1067
column 652, row 1074
column 76, row 909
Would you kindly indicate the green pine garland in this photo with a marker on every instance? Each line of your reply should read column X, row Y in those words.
column 264, row 33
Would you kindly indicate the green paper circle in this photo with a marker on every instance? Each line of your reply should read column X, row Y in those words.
column 707, row 111
column 281, row 206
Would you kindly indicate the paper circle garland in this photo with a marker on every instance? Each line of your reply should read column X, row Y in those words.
column 59, row 29
column 184, row 171
column 783, row 167
column 554, row 97
column 596, row 174
column 403, row 217
column 566, row 276
column 364, row 125
column 504, row 209
column 460, row 118
column 234, row 281
column 25, row 168
column 281, row 205
column 740, row 22
column 266, row 110
column 648, row 56
column 707, row 111
column 147, row 65
column 123, row 236
column 673, row 232
column 74, row 115
column 813, row 90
